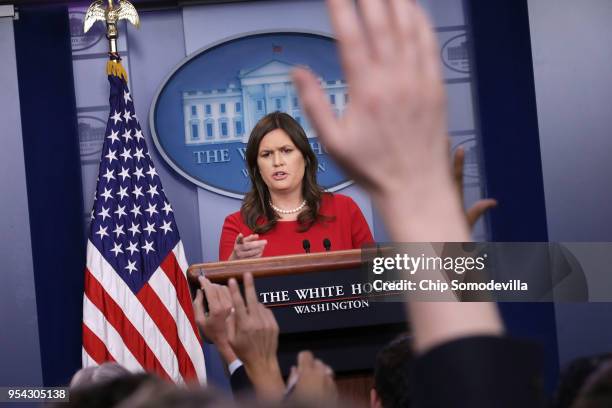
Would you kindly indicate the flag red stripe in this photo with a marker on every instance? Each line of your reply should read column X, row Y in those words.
column 173, row 271
column 95, row 347
column 167, row 326
column 115, row 316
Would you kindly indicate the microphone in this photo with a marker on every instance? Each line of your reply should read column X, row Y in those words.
column 327, row 244
column 306, row 245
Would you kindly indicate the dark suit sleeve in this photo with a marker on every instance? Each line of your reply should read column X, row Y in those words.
column 479, row 372
column 240, row 381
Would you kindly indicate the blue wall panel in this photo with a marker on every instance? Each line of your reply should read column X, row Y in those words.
column 505, row 95
column 50, row 141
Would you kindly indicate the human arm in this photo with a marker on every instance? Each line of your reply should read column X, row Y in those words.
column 484, row 371
column 396, row 93
column 253, row 335
column 248, row 247
column 234, row 245
column 477, row 209
column 314, row 379
column 212, row 323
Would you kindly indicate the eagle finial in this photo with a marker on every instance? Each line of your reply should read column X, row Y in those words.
column 111, row 14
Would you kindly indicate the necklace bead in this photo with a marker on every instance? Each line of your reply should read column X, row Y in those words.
column 292, row 211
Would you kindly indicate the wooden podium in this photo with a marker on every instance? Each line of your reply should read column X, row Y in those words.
column 321, row 304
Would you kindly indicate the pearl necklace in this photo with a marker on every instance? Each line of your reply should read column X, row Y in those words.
column 293, row 211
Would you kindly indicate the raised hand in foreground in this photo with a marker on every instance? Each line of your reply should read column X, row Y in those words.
column 392, row 139
column 392, row 136
column 253, row 335
column 212, row 322
column 314, row 380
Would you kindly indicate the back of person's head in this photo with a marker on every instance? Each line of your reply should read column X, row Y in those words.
column 392, row 375
column 96, row 374
column 109, row 393
column 574, row 377
column 169, row 395
column 597, row 389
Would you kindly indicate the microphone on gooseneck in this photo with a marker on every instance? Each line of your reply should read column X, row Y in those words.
column 327, row 244
column 306, row 245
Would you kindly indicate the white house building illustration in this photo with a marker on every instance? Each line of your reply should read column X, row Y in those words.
column 228, row 115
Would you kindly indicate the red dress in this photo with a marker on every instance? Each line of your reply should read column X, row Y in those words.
column 349, row 230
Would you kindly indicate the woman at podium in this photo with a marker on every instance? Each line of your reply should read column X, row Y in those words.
column 286, row 211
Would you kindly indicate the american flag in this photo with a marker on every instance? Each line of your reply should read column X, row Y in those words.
column 137, row 307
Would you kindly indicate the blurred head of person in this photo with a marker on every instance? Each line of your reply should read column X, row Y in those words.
column 392, row 375
column 280, row 162
column 169, row 395
column 574, row 377
column 96, row 374
column 596, row 392
column 110, row 392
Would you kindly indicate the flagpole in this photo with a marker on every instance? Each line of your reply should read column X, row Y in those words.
column 137, row 308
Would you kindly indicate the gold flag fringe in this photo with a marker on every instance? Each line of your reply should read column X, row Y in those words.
column 115, row 68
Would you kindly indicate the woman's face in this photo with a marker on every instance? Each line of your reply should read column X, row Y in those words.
column 281, row 164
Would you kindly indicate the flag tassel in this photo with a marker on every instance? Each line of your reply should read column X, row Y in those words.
column 114, row 67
